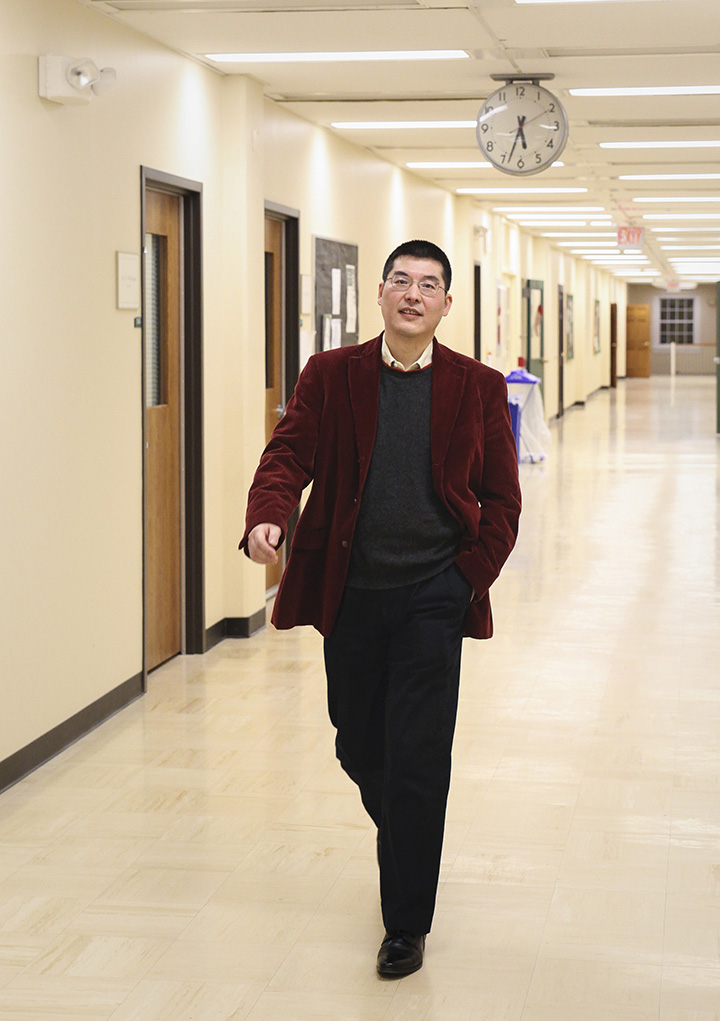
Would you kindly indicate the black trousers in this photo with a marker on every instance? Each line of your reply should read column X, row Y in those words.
column 393, row 669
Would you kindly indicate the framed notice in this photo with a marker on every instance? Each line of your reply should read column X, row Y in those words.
column 336, row 294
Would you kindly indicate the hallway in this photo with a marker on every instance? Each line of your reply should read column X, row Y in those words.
column 202, row 857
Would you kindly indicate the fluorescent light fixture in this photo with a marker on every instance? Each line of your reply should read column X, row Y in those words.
column 683, row 230
column 549, row 209
column 668, row 177
column 399, row 125
column 629, row 272
column 549, row 223
column 680, row 216
column 447, row 165
column 595, row 244
column 579, row 234
column 690, row 248
column 519, row 191
column 456, row 165
column 552, row 223
column 338, row 56
column 650, row 90
column 682, row 198
column 572, row 1
column 709, row 144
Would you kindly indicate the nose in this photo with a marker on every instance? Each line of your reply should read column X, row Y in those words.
column 413, row 291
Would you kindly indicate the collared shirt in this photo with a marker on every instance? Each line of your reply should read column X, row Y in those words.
column 422, row 362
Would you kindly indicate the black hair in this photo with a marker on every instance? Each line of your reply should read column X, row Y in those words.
column 420, row 250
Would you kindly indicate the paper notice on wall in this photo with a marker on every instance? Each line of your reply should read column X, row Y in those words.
column 336, row 333
column 307, row 347
column 350, row 300
column 336, row 278
column 327, row 329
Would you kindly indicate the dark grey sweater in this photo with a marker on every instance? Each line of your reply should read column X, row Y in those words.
column 404, row 532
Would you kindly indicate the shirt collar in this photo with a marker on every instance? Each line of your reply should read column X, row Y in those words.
column 422, row 362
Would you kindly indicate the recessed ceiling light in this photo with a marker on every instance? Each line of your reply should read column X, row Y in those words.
column 399, row 125
column 650, row 90
column 708, row 144
column 519, row 191
column 690, row 248
column 337, row 56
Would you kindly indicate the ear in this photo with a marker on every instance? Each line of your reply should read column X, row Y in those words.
column 448, row 304
column 380, row 290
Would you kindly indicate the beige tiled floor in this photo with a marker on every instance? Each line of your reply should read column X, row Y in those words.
column 201, row 857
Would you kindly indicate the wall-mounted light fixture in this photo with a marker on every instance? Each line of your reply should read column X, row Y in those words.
column 71, row 81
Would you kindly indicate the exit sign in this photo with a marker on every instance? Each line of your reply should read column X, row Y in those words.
column 630, row 237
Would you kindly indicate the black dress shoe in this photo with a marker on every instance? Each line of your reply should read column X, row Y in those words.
column 400, row 954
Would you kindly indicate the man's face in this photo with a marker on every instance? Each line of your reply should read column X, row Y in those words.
column 411, row 314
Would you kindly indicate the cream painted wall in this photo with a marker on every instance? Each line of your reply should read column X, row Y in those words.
column 346, row 193
column 70, row 403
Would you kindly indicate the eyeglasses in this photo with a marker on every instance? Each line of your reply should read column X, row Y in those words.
column 403, row 282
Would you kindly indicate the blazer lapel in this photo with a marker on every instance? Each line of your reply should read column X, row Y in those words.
column 448, row 385
column 364, row 384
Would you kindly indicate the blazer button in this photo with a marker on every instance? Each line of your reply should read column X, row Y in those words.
column 345, row 544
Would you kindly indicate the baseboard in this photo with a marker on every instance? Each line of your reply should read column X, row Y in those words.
column 29, row 758
column 235, row 627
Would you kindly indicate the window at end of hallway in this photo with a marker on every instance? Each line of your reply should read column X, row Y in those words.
column 676, row 320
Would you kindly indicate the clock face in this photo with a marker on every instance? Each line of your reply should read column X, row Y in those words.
column 522, row 128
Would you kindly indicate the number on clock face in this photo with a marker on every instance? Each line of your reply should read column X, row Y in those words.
column 522, row 128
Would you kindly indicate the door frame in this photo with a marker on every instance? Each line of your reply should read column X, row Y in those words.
column 477, row 309
column 528, row 287
column 291, row 311
column 613, row 345
column 191, row 466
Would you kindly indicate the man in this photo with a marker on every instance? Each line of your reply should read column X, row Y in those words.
column 413, row 511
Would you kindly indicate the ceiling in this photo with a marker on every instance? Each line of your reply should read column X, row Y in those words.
column 593, row 44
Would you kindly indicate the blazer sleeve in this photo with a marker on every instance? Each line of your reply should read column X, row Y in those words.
column 288, row 461
column 495, row 482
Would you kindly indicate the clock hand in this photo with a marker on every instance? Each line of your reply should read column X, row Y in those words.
column 518, row 134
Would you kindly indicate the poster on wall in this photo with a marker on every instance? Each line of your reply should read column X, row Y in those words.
column 596, row 327
column 336, row 297
column 569, row 327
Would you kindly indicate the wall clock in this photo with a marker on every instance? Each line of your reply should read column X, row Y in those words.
column 522, row 127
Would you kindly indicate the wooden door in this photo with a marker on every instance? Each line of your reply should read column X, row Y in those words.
column 161, row 317
column 613, row 345
column 638, row 340
column 274, row 404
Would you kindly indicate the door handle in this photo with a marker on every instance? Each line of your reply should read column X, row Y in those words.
column 280, row 410
column 716, row 360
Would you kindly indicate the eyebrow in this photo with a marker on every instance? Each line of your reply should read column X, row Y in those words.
column 404, row 273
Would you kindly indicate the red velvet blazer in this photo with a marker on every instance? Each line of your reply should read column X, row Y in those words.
column 326, row 437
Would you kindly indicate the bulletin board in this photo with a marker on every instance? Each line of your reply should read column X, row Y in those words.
column 336, row 294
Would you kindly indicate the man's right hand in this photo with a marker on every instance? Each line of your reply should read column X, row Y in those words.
column 262, row 543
